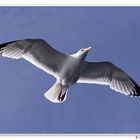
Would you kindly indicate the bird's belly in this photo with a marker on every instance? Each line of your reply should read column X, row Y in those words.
column 70, row 76
column 70, row 79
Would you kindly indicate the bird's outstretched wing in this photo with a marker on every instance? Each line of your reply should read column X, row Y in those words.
column 36, row 51
column 106, row 73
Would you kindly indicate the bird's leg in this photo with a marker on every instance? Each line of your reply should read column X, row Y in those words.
column 61, row 96
column 63, row 92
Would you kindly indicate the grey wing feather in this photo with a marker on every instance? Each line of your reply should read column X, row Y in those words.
column 36, row 51
column 12, row 49
column 106, row 73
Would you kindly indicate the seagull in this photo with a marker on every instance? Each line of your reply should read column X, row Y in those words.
column 69, row 69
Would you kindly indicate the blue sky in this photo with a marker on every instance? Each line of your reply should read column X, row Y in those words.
column 113, row 32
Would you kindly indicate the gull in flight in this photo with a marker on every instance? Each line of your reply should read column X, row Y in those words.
column 69, row 69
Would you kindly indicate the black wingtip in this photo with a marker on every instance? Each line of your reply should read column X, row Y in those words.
column 5, row 44
column 136, row 90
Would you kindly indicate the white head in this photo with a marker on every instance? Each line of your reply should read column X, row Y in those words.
column 82, row 52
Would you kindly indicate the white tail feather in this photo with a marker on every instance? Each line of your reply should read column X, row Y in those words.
column 57, row 93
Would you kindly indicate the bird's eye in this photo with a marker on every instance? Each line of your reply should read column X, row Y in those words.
column 82, row 49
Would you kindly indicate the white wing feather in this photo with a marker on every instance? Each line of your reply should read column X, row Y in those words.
column 36, row 51
column 106, row 73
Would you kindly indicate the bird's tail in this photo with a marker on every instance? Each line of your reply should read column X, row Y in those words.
column 57, row 93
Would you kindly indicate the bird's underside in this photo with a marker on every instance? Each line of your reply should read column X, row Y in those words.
column 41, row 54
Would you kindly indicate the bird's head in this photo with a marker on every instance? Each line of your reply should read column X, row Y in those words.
column 82, row 52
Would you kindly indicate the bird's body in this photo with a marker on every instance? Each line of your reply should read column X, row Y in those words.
column 66, row 74
column 69, row 70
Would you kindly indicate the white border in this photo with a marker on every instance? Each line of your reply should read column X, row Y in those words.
column 70, row 2
column 68, row 137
